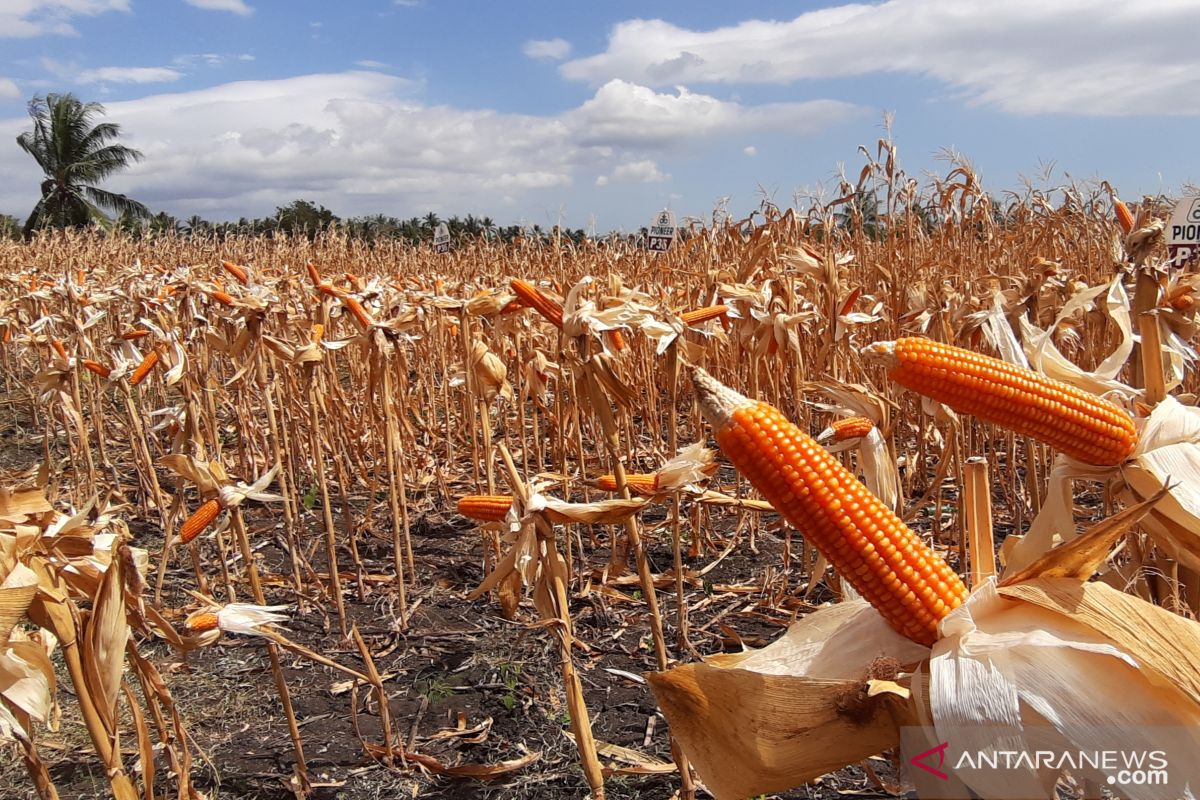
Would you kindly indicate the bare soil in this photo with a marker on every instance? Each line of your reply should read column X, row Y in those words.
column 458, row 664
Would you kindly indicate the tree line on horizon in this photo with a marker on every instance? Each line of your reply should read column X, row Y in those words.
column 76, row 153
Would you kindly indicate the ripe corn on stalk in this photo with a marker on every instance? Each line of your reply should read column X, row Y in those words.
column 1124, row 215
column 703, row 314
column 357, row 311
column 485, row 507
column 1080, row 424
column 313, row 274
column 864, row 540
column 96, row 367
column 529, row 294
column 199, row 520
column 59, row 348
column 238, row 272
column 136, row 333
column 638, row 482
column 842, row 430
column 224, row 298
column 144, row 368
column 202, row 621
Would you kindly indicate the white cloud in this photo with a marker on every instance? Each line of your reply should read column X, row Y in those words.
column 23, row 19
column 238, row 7
column 1022, row 56
column 602, row 180
column 627, row 114
column 8, row 89
column 547, row 49
column 644, row 171
column 209, row 59
column 750, row 150
column 368, row 63
column 364, row 142
column 128, row 75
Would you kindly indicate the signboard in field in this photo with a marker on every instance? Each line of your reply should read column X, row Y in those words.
column 441, row 239
column 1183, row 233
column 662, row 233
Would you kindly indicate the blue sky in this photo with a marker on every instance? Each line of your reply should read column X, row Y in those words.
column 596, row 113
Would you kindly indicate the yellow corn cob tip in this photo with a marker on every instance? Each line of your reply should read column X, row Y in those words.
column 1075, row 422
column 864, row 540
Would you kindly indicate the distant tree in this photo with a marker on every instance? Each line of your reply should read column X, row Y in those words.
column 197, row 224
column 303, row 216
column 75, row 155
column 10, row 227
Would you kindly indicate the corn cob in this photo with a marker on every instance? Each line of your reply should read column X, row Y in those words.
column 313, row 274
column 1124, row 215
column 58, row 348
column 864, row 540
column 136, row 333
column 516, row 304
column 96, row 367
column 199, row 520
column 703, row 314
column 494, row 508
column 357, row 311
column 530, row 295
column 616, row 339
column 485, row 507
column 201, row 622
column 638, row 482
column 1081, row 425
column 224, row 298
column 1183, row 302
column 143, row 369
column 847, row 428
column 237, row 272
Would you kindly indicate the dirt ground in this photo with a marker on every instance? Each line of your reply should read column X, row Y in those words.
column 457, row 665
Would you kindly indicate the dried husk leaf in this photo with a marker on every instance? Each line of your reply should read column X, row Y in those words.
column 767, row 720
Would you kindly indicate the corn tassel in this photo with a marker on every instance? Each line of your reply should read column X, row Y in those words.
column 530, row 295
column 1080, row 424
column 864, row 540
column 143, row 369
column 704, row 314
column 199, row 521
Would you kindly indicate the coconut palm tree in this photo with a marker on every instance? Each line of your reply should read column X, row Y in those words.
column 75, row 155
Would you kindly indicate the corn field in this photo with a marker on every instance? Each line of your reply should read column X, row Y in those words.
column 294, row 451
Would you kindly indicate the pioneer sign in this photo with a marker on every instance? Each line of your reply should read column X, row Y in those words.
column 1183, row 233
column 661, row 233
column 441, row 239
